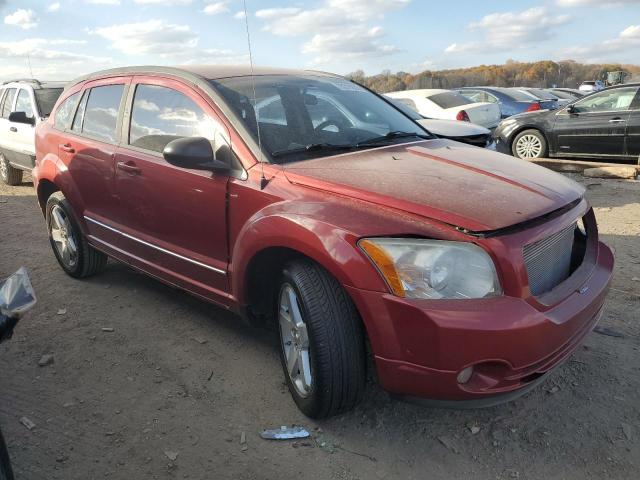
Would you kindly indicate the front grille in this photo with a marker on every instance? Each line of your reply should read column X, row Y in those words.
column 548, row 261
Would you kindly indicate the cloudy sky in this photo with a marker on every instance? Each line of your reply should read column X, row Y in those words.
column 64, row 38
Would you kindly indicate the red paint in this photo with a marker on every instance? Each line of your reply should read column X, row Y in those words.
column 321, row 208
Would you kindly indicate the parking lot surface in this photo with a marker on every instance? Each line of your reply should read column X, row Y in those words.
column 169, row 392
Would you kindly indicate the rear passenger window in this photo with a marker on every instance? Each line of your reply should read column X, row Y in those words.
column 64, row 113
column 101, row 113
column 24, row 104
column 160, row 115
column 8, row 102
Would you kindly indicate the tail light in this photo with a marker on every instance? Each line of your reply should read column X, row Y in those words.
column 463, row 116
column 534, row 106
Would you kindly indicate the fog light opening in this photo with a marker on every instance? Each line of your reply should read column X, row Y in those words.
column 465, row 375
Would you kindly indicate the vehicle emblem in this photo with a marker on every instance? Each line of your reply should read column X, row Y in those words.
column 583, row 290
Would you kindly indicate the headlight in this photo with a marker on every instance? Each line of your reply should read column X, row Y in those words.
column 417, row 268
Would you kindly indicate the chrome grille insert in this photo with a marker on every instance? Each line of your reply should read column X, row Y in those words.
column 548, row 261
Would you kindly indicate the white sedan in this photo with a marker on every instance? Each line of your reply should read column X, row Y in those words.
column 445, row 104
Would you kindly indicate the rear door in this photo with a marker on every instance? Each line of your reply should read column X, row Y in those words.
column 88, row 149
column 633, row 129
column 22, row 134
column 598, row 125
column 172, row 220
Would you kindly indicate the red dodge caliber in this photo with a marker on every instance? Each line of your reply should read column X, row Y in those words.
column 305, row 199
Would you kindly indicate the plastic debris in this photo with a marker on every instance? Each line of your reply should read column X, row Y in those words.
column 62, row 311
column 284, row 433
column 171, row 455
column 29, row 425
column 45, row 360
column 108, row 329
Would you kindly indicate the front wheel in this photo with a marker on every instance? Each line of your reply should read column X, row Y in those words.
column 321, row 338
column 8, row 174
column 529, row 144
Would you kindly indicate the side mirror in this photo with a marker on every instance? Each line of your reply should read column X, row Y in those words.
column 195, row 153
column 571, row 109
column 21, row 117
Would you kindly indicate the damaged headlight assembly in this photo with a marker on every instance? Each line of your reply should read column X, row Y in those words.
column 433, row 269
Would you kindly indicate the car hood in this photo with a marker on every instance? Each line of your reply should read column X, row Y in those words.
column 452, row 128
column 468, row 187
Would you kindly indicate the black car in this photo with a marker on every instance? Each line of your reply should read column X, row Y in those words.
column 604, row 124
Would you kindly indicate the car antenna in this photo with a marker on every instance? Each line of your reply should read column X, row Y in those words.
column 263, row 179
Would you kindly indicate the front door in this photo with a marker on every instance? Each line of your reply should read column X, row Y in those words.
column 173, row 220
column 596, row 126
column 23, row 135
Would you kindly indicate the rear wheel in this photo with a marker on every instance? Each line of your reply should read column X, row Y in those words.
column 321, row 338
column 74, row 254
column 8, row 174
column 529, row 144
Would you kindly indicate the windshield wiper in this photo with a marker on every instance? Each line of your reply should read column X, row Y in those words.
column 391, row 136
column 312, row 147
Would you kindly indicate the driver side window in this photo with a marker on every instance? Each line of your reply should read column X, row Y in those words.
column 618, row 99
column 23, row 103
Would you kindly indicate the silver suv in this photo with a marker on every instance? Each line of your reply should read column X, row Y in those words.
column 23, row 104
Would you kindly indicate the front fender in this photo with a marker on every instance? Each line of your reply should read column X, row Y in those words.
column 330, row 246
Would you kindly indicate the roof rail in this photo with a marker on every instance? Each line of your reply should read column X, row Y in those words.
column 25, row 80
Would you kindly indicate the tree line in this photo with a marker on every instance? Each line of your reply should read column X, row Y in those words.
column 543, row 74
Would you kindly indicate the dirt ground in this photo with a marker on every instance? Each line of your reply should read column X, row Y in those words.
column 180, row 377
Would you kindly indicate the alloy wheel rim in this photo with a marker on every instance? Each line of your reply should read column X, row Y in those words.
column 295, row 341
column 63, row 238
column 529, row 146
column 4, row 171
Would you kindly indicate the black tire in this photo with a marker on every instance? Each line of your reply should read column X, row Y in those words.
column 530, row 132
column 9, row 175
column 336, row 341
column 89, row 261
column 6, row 473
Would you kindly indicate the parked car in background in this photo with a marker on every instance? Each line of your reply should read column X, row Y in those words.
column 605, row 124
column 510, row 102
column 567, row 93
column 23, row 105
column 589, row 86
column 548, row 100
column 469, row 275
column 464, row 132
column 446, row 104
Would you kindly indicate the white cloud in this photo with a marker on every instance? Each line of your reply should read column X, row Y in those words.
column 38, row 48
column 337, row 31
column 622, row 46
column 239, row 15
column 213, row 56
column 361, row 43
column 151, row 37
column 54, row 7
column 599, row 3
column 216, row 8
column 104, row 2
column 507, row 31
column 169, row 3
column 22, row 18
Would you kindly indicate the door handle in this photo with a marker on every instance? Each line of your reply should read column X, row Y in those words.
column 129, row 168
column 13, row 129
column 66, row 147
column 616, row 120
